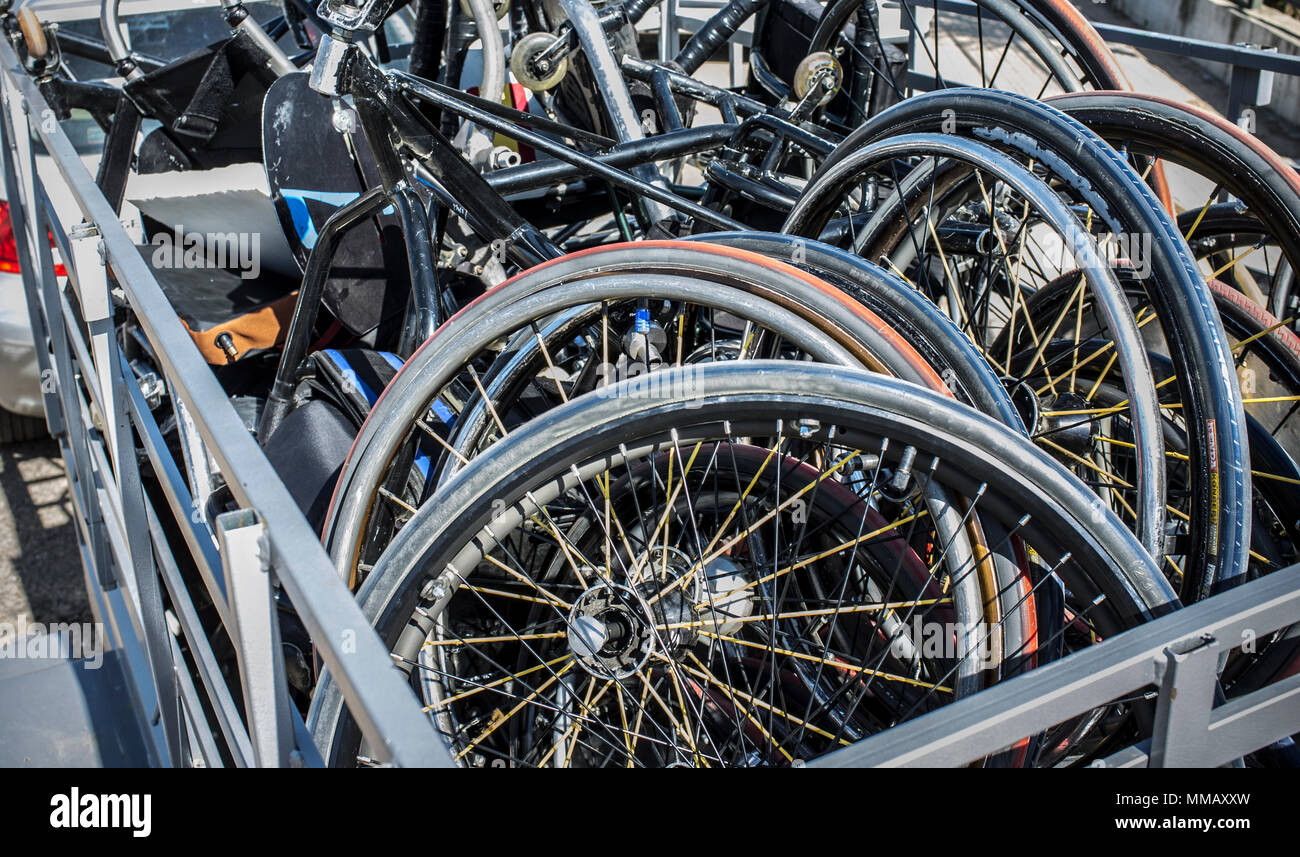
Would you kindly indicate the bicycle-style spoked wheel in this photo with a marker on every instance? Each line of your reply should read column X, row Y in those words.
column 749, row 580
column 1244, row 224
column 981, row 235
column 900, row 305
column 1033, row 48
column 573, row 325
column 1112, row 200
column 1267, row 359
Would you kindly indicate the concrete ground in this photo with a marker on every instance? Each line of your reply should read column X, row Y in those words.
column 40, row 570
column 1186, row 80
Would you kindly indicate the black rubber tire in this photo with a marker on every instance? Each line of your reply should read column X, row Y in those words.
column 1179, row 294
column 1209, row 146
column 1066, row 516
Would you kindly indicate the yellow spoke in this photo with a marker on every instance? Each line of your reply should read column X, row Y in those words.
column 842, row 665
column 1201, row 216
column 571, row 732
column 496, row 723
column 677, row 686
column 1275, row 477
column 522, row 578
column 504, row 594
column 1259, row 400
column 952, row 281
column 384, row 492
column 1265, row 332
column 897, row 272
column 487, row 401
column 555, row 375
column 892, row 525
column 1100, row 378
column 711, row 552
column 1078, row 327
column 744, row 495
column 504, row 638
column 1111, row 478
column 1187, row 518
column 561, row 541
column 673, row 720
column 743, row 710
column 622, row 716
column 718, row 551
column 1038, row 354
column 1143, row 319
column 672, row 497
column 753, row 700
column 820, row 611
column 433, row 434
column 640, row 716
column 1233, row 261
column 497, row 683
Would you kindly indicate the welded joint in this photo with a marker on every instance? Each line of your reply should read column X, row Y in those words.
column 1186, row 673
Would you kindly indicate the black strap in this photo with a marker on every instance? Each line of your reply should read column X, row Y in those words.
column 202, row 116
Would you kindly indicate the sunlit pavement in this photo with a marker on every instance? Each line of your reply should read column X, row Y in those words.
column 40, row 570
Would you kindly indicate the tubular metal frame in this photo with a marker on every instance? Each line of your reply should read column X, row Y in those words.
column 96, row 412
column 98, row 415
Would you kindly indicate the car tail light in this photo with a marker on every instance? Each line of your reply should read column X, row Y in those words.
column 9, row 245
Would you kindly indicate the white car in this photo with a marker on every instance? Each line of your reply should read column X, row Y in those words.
column 160, row 28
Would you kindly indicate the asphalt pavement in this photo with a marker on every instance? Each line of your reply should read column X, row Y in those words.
column 40, row 570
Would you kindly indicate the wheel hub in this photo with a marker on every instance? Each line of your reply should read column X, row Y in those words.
column 608, row 632
column 1066, row 427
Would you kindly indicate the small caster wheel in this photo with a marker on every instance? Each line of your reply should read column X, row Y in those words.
column 817, row 67
column 33, row 34
column 524, row 68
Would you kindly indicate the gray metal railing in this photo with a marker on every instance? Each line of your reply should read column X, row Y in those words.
column 96, row 411
column 1179, row 655
column 1253, row 67
column 99, row 415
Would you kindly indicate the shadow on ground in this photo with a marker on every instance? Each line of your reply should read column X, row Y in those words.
column 40, row 567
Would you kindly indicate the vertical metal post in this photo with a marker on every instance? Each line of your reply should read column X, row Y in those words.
column 615, row 96
column 245, row 557
column 1188, row 676
column 158, row 638
column 1248, row 88
column 669, row 44
column 40, row 330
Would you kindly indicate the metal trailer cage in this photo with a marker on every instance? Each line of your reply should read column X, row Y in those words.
column 95, row 409
column 170, row 681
